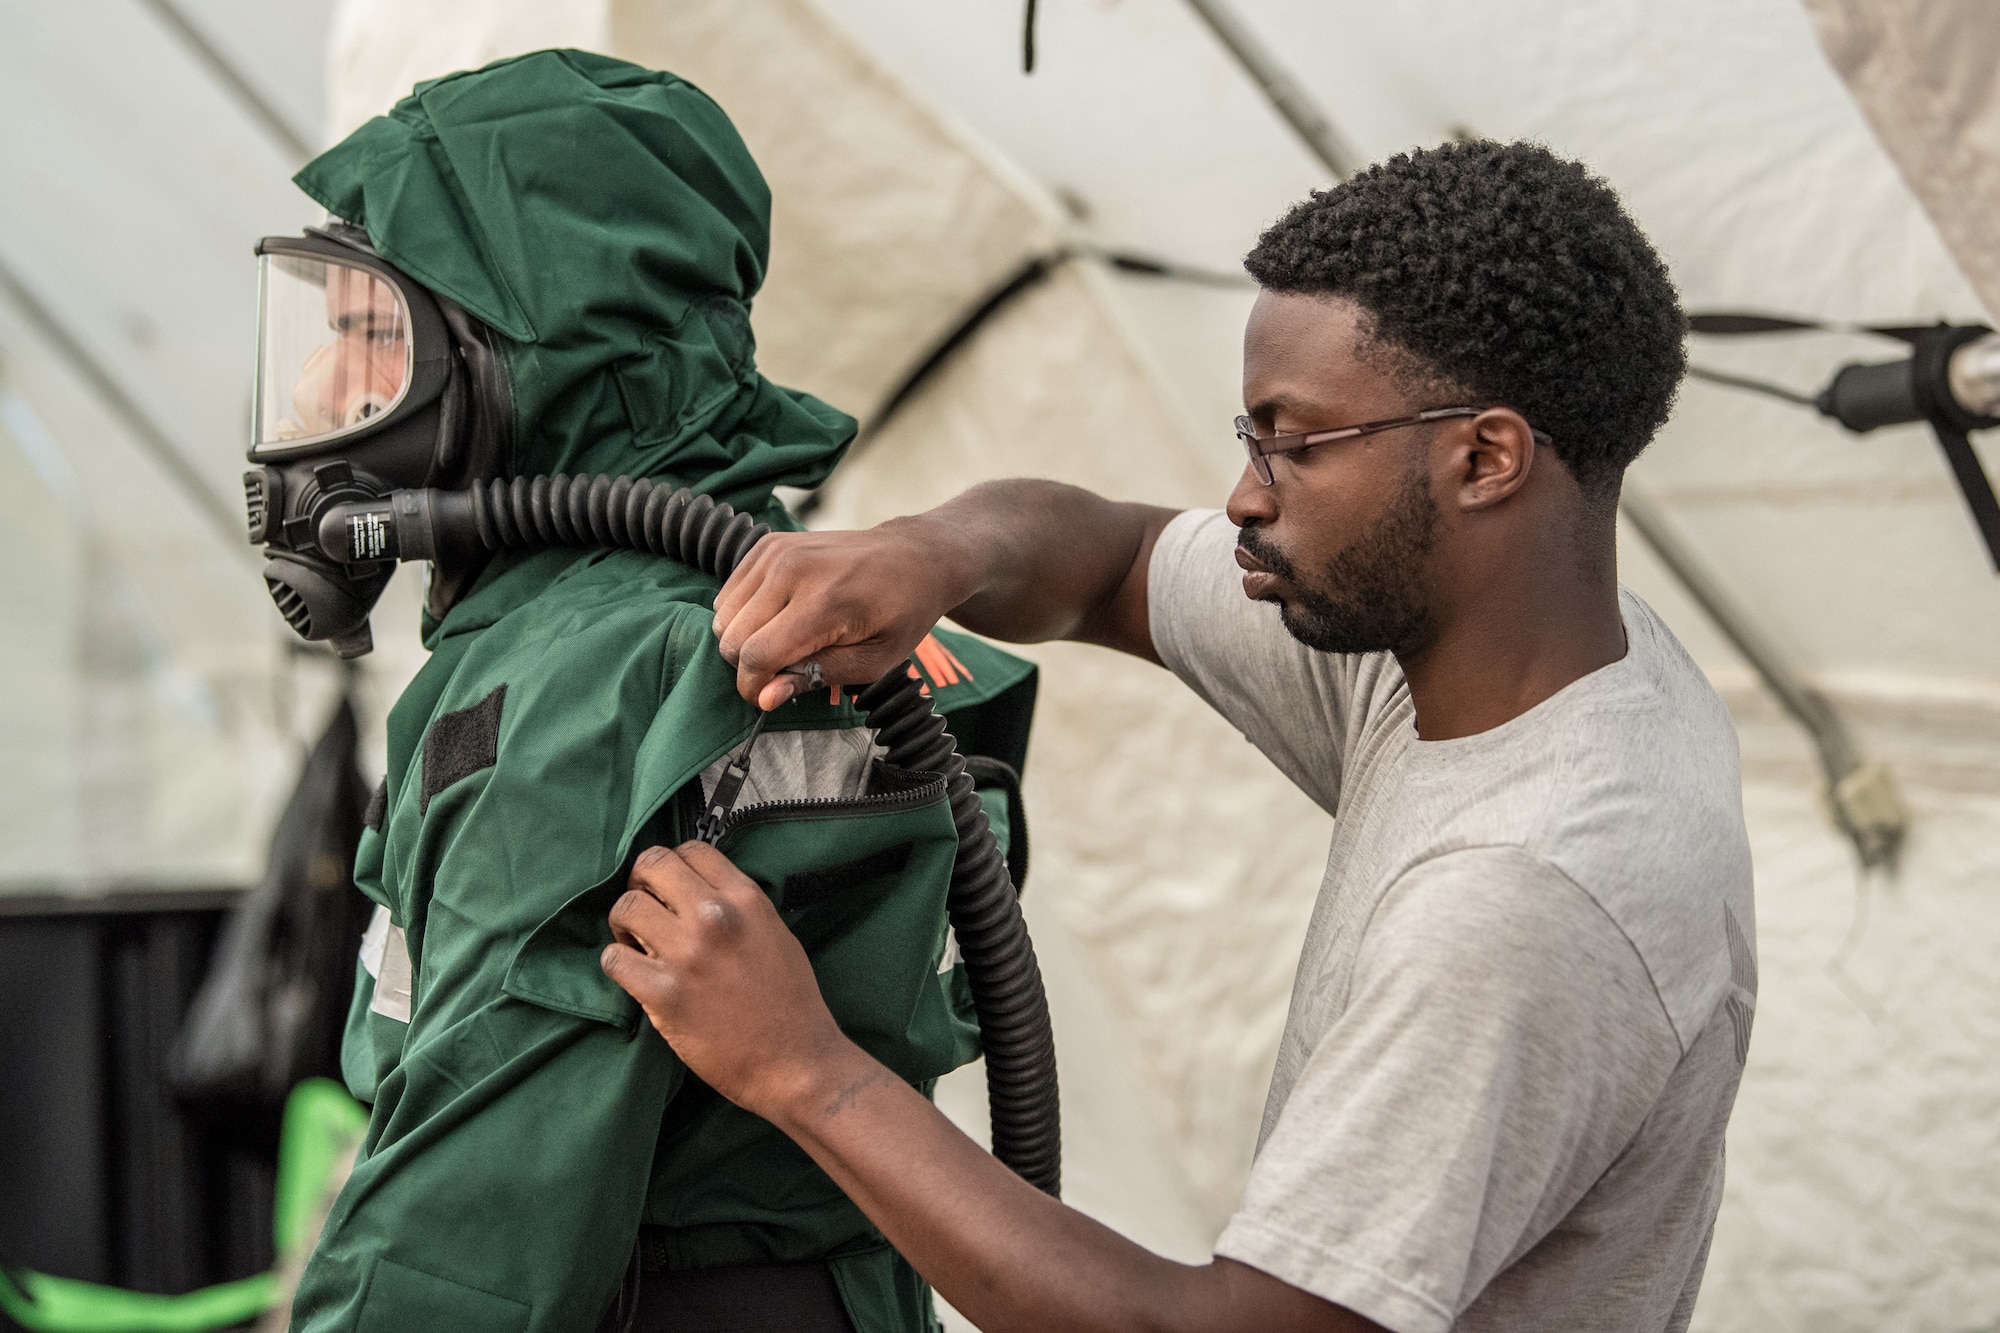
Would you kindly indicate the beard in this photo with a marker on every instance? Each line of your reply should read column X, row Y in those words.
column 1370, row 597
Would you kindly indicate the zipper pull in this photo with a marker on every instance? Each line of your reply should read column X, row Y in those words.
column 728, row 787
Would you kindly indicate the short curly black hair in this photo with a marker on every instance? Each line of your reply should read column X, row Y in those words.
column 1509, row 274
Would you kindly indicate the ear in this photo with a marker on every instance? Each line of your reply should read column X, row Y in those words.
column 1494, row 453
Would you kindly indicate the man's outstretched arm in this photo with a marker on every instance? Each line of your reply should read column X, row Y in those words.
column 1022, row 561
column 703, row 951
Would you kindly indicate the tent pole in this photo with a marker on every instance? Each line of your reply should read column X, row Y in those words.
column 1284, row 92
column 1861, row 792
column 260, row 108
column 179, row 469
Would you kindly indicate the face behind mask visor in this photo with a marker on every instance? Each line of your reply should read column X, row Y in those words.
column 333, row 350
column 366, row 383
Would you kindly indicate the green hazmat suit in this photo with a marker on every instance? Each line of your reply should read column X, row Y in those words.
column 607, row 222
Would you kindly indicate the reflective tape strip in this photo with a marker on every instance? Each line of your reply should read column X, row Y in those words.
column 801, row 766
column 392, row 983
column 372, row 940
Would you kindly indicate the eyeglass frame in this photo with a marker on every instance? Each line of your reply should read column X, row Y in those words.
column 1261, row 449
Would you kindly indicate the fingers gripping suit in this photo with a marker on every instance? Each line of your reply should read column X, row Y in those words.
column 610, row 229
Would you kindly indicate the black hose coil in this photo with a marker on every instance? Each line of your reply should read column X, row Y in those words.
column 985, row 911
column 528, row 513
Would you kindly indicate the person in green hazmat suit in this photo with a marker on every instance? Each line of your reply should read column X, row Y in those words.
column 537, row 1159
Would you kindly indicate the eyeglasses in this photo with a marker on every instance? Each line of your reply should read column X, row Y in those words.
column 1261, row 449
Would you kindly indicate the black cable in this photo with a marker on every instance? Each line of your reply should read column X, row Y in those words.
column 1151, row 266
column 1022, row 280
column 1736, row 324
column 1030, row 274
column 990, row 772
column 1015, row 285
column 1753, row 385
column 1750, row 323
column 1028, row 39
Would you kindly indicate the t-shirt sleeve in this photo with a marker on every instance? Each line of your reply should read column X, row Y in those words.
column 1291, row 702
column 1501, row 1046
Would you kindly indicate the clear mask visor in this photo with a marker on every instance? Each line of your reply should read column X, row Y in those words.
column 333, row 350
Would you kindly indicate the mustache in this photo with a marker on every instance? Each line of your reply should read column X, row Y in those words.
column 1261, row 549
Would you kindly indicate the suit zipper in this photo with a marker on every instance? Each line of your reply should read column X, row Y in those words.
column 820, row 807
column 721, row 815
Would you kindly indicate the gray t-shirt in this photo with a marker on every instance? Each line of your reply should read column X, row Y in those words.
column 1524, row 999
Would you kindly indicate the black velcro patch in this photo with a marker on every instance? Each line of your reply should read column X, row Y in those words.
column 809, row 888
column 378, row 806
column 460, row 744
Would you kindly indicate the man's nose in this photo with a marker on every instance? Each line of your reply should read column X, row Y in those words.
column 1252, row 500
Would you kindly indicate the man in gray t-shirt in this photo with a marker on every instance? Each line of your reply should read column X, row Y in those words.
column 1516, row 1030
column 1525, row 997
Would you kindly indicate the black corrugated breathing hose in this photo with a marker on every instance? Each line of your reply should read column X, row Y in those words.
column 528, row 513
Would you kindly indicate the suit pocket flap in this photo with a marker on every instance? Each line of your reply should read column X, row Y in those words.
column 400, row 1299
column 557, row 966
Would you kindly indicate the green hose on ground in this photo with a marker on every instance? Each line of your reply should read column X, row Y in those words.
column 45, row 1304
column 322, row 1125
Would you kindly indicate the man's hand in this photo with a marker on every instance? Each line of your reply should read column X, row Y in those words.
column 857, row 603
column 1021, row 561
column 702, row 950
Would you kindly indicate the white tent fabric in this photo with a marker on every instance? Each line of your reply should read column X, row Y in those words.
column 1927, row 74
column 144, row 716
column 914, row 165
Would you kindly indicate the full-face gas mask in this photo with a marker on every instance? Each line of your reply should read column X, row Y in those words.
column 367, row 383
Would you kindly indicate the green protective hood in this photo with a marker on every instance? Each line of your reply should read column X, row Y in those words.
column 609, row 224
